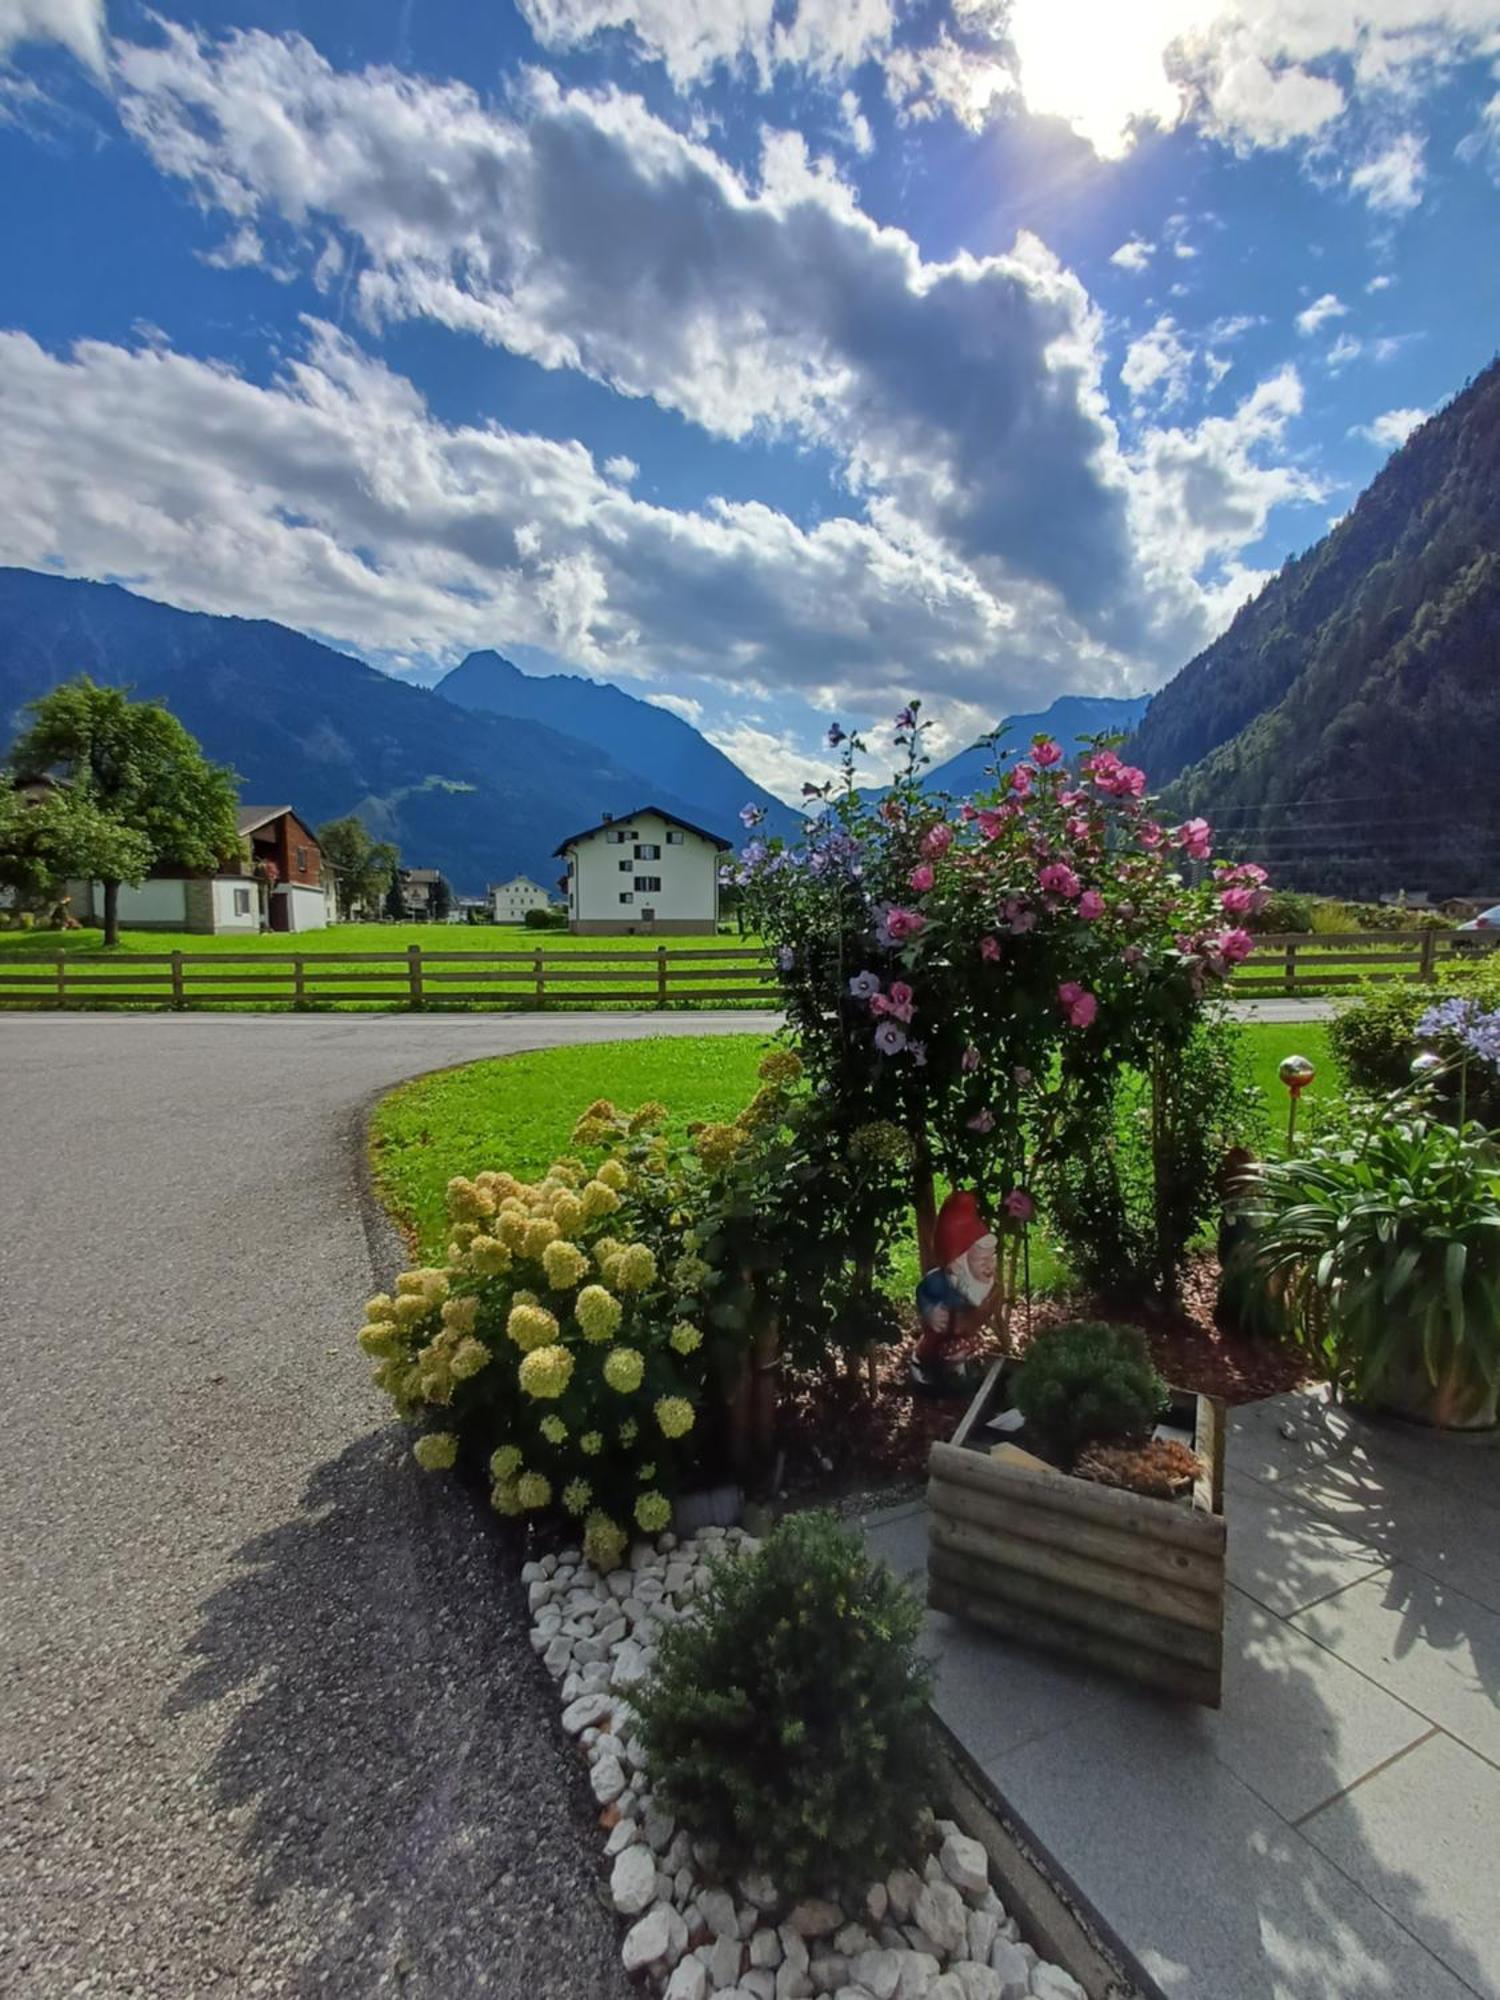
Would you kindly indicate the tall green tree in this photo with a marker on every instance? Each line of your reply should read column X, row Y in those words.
column 141, row 770
column 363, row 868
column 442, row 899
column 63, row 836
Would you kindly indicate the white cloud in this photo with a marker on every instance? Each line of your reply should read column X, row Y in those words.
column 947, row 75
column 1345, row 349
column 773, row 758
column 1382, row 281
column 679, row 704
column 78, row 24
column 1393, row 428
column 1134, row 254
column 621, row 468
column 1392, row 182
column 692, row 38
column 855, row 124
column 1329, row 306
column 1158, row 366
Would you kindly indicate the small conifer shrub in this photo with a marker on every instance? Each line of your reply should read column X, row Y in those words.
column 785, row 1720
column 1088, row 1382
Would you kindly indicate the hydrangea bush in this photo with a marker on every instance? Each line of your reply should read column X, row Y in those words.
column 560, row 1344
column 978, row 973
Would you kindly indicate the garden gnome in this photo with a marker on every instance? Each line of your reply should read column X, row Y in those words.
column 953, row 1300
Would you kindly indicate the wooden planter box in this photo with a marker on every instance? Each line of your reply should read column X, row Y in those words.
column 1118, row 1579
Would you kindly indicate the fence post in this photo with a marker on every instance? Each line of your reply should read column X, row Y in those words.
column 661, row 975
column 539, row 974
column 299, row 980
column 1426, row 971
column 179, row 995
column 62, row 979
column 413, row 975
column 1291, row 965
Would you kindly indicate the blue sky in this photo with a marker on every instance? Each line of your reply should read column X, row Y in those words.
column 772, row 358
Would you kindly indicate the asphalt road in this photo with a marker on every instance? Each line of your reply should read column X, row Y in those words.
column 270, row 1723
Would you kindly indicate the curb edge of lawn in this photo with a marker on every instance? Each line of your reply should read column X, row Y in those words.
column 1055, row 1917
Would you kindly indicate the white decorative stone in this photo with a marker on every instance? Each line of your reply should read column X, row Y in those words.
column 658, row 1938
column 877, row 1902
column 1009, row 1961
column 759, row 1890
column 815, row 1918
column 918, row 1970
column 607, row 1779
column 632, row 1883
column 585, row 1712
column 792, row 1983
column 688, row 1982
column 765, row 1949
column 718, row 1912
column 557, row 1655
column 978, row 1981
column 829, row 1971
column 984, row 1928
column 902, row 1889
column 658, row 1827
column 945, row 1987
column 1050, row 1982
column 941, row 1914
column 879, row 1972
column 725, row 1959
column 631, row 1664
column 852, row 1940
column 759, row 1982
column 621, row 1834
column 965, row 1864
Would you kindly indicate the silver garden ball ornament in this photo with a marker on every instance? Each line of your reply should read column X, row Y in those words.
column 1426, row 1065
column 1296, row 1072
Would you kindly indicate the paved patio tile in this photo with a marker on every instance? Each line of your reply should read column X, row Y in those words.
column 1425, row 1642
column 1297, row 1725
column 1218, row 1897
column 1283, row 1555
column 1423, row 1837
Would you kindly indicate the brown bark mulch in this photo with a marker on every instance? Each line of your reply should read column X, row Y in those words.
column 840, row 1434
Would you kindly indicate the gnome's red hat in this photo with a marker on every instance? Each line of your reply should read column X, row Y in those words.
column 959, row 1227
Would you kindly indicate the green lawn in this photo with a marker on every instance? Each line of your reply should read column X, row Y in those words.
column 351, row 937
column 516, row 1112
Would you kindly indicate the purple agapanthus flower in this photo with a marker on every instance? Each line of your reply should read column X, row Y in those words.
column 752, row 815
column 836, row 736
column 1467, row 1022
column 890, row 1039
column 865, row 985
column 754, row 854
column 907, row 719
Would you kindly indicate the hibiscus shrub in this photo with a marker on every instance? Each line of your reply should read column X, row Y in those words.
column 981, row 974
column 560, row 1343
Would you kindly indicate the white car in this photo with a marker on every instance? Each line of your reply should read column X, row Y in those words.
column 1487, row 920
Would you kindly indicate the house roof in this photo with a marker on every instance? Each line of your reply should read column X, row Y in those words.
column 639, row 812
column 422, row 876
column 516, row 882
column 250, row 818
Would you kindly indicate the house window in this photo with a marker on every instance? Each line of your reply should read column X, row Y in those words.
column 648, row 850
column 675, row 836
column 615, row 835
column 626, row 866
column 648, row 881
column 242, row 902
column 626, row 896
column 301, row 859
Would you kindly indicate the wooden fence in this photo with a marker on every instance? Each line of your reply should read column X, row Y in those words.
column 663, row 977
column 1307, row 964
column 414, row 978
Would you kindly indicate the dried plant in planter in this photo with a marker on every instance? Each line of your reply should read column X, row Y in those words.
column 1161, row 1468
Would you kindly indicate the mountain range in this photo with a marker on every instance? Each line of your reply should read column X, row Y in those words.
column 1345, row 729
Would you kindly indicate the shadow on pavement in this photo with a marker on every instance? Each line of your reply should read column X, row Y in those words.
column 390, row 1742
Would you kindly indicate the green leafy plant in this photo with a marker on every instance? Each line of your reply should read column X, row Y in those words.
column 1088, row 1382
column 784, row 1721
column 1388, row 1253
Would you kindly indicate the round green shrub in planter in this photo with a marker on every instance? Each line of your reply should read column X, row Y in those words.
column 1088, row 1382
column 784, row 1721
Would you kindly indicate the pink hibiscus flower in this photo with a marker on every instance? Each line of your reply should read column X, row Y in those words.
column 1046, row 753
column 937, row 840
column 1058, row 879
column 921, row 878
column 989, row 947
column 1090, row 905
column 1020, row 1204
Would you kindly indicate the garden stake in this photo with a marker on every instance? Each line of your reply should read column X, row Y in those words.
column 1296, row 1072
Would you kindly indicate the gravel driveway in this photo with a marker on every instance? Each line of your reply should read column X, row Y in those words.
column 271, row 1723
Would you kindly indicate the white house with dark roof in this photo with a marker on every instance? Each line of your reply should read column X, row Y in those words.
column 509, row 901
column 646, row 871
